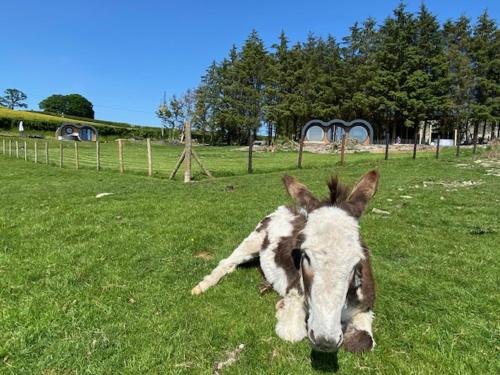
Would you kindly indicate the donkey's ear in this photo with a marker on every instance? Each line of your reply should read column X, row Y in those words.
column 362, row 192
column 300, row 194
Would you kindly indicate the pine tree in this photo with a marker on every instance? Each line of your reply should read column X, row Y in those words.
column 457, row 39
column 485, row 59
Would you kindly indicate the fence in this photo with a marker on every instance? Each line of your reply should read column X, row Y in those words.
column 148, row 158
column 123, row 156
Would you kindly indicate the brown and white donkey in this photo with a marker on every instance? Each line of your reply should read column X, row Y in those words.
column 314, row 257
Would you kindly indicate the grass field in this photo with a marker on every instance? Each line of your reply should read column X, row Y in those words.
column 101, row 286
column 35, row 116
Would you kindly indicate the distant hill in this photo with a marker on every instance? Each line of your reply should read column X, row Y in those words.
column 38, row 121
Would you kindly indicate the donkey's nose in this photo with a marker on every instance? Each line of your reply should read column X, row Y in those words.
column 326, row 344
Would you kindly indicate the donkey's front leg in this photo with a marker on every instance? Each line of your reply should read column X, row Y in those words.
column 358, row 336
column 246, row 251
column 291, row 317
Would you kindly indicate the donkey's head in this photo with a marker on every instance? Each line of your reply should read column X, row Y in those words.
column 330, row 252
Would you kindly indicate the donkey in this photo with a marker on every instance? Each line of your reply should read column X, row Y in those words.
column 313, row 256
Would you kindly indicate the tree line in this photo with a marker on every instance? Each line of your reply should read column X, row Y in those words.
column 409, row 71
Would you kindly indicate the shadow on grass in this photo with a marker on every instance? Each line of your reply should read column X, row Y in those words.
column 325, row 362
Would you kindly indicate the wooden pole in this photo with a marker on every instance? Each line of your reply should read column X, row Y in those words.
column 77, row 157
column 25, row 151
column 387, row 137
column 17, row 149
column 415, row 135
column 437, row 147
column 3, row 148
column 36, row 152
column 250, row 152
column 60, row 155
column 195, row 156
column 98, row 155
column 46, row 152
column 120, row 156
column 342, row 148
column 10, row 147
column 177, row 166
column 301, row 149
column 458, row 142
column 187, row 156
column 150, row 158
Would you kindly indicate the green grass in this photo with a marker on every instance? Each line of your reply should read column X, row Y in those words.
column 101, row 286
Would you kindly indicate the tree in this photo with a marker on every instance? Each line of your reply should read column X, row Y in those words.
column 13, row 98
column 72, row 104
column 457, row 39
column 485, row 60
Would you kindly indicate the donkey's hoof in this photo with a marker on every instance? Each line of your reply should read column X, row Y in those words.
column 290, row 332
column 358, row 341
column 196, row 290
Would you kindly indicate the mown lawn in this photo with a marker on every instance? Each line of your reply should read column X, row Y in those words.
column 101, row 286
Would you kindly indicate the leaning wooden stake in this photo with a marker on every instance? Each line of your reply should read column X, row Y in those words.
column 97, row 155
column 10, row 147
column 25, row 151
column 198, row 160
column 186, row 156
column 77, row 157
column 36, row 152
column 178, row 164
column 46, row 152
column 150, row 158
column 17, row 149
column 342, row 149
column 437, row 147
column 3, row 148
column 120, row 155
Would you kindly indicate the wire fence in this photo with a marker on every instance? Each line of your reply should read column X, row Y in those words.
column 158, row 159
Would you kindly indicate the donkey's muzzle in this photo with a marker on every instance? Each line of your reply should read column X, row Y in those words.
column 324, row 344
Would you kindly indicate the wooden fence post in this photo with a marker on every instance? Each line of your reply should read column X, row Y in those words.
column 46, row 152
column 17, row 149
column 387, row 137
column 120, row 155
column 77, row 156
column 3, row 148
column 415, row 135
column 150, row 158
column 98, row 155
column 10, row 147
column 458, row 142
column 60, row 155
column 437, row 147
column 187, row 156
column 25, row 151
column 301, row 150
column 342, row 148
column 36, row 152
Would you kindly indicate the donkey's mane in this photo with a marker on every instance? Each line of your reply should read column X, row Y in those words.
column 339, row 192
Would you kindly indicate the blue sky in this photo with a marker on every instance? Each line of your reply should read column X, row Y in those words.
column 122, row 55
